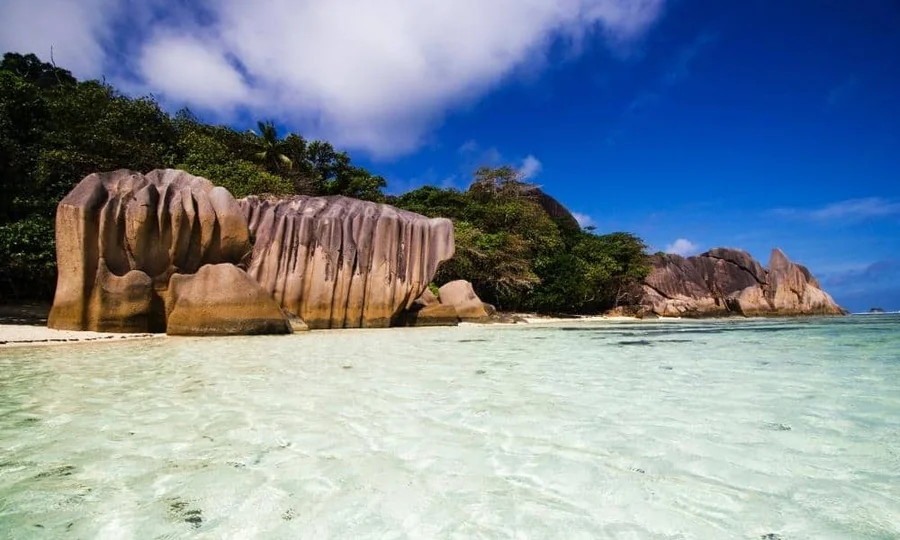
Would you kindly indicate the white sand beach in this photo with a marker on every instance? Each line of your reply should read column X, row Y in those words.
column 19, row 335
column 25, row 325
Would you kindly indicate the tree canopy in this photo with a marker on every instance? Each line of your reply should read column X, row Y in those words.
column 55, row 130
column 518, row 256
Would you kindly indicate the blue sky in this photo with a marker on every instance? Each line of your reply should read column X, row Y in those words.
column 692, row 123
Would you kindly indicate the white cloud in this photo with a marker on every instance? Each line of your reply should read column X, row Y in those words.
column 374, row 75
column 531, row 167
column 193, row 72
column 468, row 147
column 583, row 219
column 858, row 209
column 74, row 31
column 683, row 247
column 846, row 210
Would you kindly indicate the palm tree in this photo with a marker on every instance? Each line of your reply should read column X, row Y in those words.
column 269, row 146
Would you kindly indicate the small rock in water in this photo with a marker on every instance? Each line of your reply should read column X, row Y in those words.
column 65, row 470
column 480, row 372
column 771, row 536
column 347, row 367
column 667, row 368
column 642, row 342
column 194, row 517
column 178, row 510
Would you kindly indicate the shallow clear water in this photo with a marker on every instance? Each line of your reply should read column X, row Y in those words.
column 709, row 430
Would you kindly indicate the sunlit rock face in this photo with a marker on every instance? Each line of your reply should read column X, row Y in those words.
column 136, row 250
column 724, row 282
column 121, row 235
column 462, row 297
column 221, row 300
column 343, row 263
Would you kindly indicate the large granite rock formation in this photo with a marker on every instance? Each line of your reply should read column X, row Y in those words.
column 343, row 263
column 724, row 282
column 168, row 250
column 121, row 235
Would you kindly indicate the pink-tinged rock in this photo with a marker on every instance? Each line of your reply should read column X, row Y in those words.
column 344, row 263
column 221, row 299
column 115, row 227
column 462, row 297
column 725, row 282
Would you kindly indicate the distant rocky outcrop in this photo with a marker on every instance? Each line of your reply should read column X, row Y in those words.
column 344, row 263
column 554, row 208
column 723, row 282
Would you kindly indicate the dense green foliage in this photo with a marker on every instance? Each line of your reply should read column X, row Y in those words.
column 55, row 130
column 518, row 257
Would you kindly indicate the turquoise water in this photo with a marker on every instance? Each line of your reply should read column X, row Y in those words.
column 675, row 430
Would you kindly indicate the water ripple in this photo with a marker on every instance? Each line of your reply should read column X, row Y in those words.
column 711, row 429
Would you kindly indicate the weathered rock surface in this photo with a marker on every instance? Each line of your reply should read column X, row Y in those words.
column 343, row 263
column 431, row 315
column 221, row 299
column 139, row 253
column 296, row 323
column 724, row 282
column 427, row 298
column 121, row 235
column 456, row 302
column 120, row 303
column 462, row 297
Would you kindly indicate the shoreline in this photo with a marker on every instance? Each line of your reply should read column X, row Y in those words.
column 26, row 335
column 13, row 334
column 16, row 332
column 534, row 318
